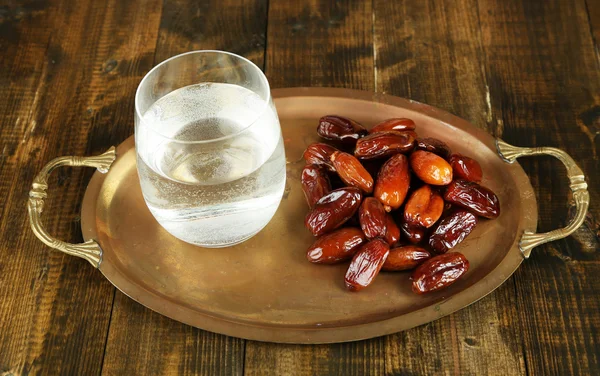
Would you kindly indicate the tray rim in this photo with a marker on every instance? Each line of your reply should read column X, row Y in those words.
column 286, row 334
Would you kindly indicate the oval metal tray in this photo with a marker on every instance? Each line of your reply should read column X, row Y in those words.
column 264, row 289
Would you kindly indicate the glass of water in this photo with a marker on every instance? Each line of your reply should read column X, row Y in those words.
column 209, row 149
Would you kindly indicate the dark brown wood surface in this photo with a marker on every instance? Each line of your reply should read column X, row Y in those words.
column 527, row 71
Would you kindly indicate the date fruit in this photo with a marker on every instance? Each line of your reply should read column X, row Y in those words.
column 424, row 207
column 373, row 218
column 338, row 128
column 337, row 246
column 413, row 233
column 465, row 168
column 383, row 144
column 366, row 264
column 395, row 124
column 433, row 145
column 439, row 272
column 320, row 154
column 431, row 168
column 392, row 231
column 315, row 184
column 332, row 210
column 413, row 134
column 351, row 171
column 405, row 258
column 473, row 196
column 452, row 230
column 393, row 182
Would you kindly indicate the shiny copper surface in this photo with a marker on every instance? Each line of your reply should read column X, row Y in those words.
column 265, row 289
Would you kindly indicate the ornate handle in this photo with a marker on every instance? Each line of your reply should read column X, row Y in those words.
column 578, row 186
column 89, row 250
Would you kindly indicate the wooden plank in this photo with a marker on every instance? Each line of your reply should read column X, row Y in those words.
column 55, row 309
column 472, row 341
column 230, row 25
column 435, row 59
column 318, row 43
column 354, row 358
column 142, row 342
column 593, row 11
column 164, row 346
column 544, row 84
column 68, row 73
column 431, row 52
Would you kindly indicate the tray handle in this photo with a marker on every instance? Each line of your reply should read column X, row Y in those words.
column 578, row 186
column 90, row 250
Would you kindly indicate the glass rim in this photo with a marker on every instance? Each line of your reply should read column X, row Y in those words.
column 222, row 138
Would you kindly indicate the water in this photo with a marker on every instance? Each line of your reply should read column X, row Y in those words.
column 218, row 193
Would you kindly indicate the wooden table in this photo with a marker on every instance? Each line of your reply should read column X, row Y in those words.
column 524, row 70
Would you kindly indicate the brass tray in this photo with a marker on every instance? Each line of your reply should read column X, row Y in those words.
column 264, row 289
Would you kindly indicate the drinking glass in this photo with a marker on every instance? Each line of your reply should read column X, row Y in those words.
column 210, row 155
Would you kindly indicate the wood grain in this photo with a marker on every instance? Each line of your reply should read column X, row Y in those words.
column 142, row 342
column 354, row 358
column 230, row 25
column 593, row 11
column 526, row 71
column 60, row 96
column 435, row 59
column 164, row 346
column 548, row 95
column 438, row 59
column 318, row 43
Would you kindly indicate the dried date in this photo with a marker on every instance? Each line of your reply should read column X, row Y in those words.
column 351, row 171
column 395, row 124
column 315, row 184
column 431, row 168
column 465, row 168
column 433, row 145
column 383, row 144
column 413, row 134
column 473, row 196
column 393, row 182
column 392, row 231
column 335, row 247
column 424, row 207
column 366, row 264
column 373, row 218
column 332, row 210
column 413, row 233
column 338, row 128
column 405, row 258
column 452, row 230
column 320, row 154
column 439, row 272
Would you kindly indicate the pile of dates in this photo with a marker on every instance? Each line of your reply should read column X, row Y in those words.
column 389, row 200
